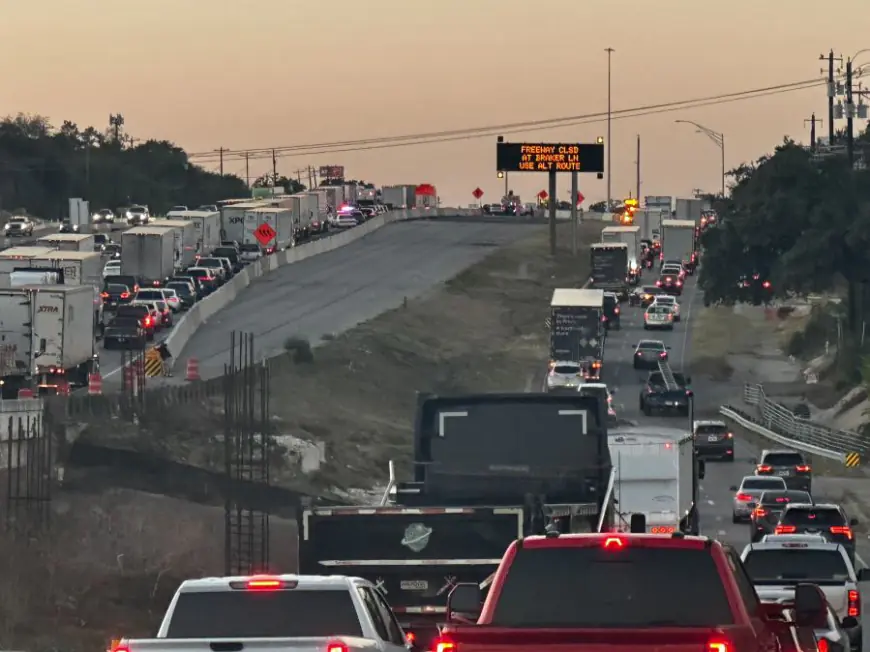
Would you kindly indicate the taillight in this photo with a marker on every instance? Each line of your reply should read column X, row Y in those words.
column 763, row 468
column 443, row 645
column 759, row 511
column 614, row 543
column 679, row 284
column 843, row 530
column 121, row 648
column 730, row 435
column 263, row 584
column 803, row 469
column 125, row 295
column 719, row 645
column 336, row 646
column 658, row 284
column 616, row 311
column 147, row 321
column 104, row 295
column 854, row 604
column 744, row 498
column 785, row 529
column 663, row 354
column 766, row 285
column 411, row 638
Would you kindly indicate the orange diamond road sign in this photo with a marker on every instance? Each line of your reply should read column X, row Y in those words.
column 580, row 197
column 543, row 194
column 264, row 234
column 477, row 193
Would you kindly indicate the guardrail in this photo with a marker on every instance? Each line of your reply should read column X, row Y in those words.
column 774, row 421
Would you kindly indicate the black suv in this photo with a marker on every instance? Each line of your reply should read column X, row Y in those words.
column 713, row 440
column 769, row 508
column 830, row 521
column 611, row 311
column 671, row 284
column 788, row 465
column 656, row 398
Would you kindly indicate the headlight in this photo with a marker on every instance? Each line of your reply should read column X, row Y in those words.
column 129, row 214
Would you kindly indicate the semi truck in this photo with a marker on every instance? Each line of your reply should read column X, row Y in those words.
column 185, row 237
column 68, row 241
column 20, row 257
column 609, row 263
column 148, row 254
column 319, row 212
column 630, row 235
column 487, row 469
column 233, row 218
column 281, row 221
column 426, row 200
column 48, row 338
column 577, row 329
column 678, row 242
column 399, row 197
column 76, row 267
column 689, row 210
column 207, row 225
column 656, row 474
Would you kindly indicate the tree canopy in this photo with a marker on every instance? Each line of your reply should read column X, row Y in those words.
column 41, row 167
column 797, row 220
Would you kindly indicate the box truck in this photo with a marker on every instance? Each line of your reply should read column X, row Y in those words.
column 689, row 210
column 207, row 225
column 320, row 221
column 148, row 254
column 399, row 197
column 281, row 221
column 233, row 219
column 49, row 338
column 20, row 257
column 609, row 262
column 678, row 242
column 577, row 329
column 185, row 241
column 68, row 241
column 76, row 267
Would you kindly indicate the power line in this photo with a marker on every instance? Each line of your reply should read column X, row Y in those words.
column 535, row 125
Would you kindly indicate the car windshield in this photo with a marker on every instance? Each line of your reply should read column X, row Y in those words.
column 628, row 587
column 236, row 615
column 796, row 564
column 782, row 498
column 783, row 459
column 180, row 288
column 650, row 345
column 137, row 209
column 756, row 483
column 658, row 310
column 566, row 369
column 813, row 517
column 18, row 220
column 711, row 429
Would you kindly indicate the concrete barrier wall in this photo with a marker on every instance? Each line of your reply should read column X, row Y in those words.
column 208, row 307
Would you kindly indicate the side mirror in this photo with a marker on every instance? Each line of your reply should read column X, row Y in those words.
column 702, row 469
column 863, row 574
column 668, row 348
column 853, row 522
column 810, row 606
column 732, row 488
column 850, row 622
column 466, row 599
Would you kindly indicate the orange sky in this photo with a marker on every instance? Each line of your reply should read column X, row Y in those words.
column 221, row 73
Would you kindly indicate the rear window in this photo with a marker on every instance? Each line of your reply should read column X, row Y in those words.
column 631, row 587
column 785, row 497
column 180, row 288
column 610, row 301
column 225, row 252
column 812, row 517
column 250, row 247
column 117, row 289
column 143, row 295
column 796, row 564
column 263, row 614
column 711, row 430
column 763, row 483
column 566, row 369
column 784, row 459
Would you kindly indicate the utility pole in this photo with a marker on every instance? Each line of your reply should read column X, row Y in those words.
column 574, row 191
column 274, row 172
column 813, row 120
column 637, row 163
column 832, row 91
column 609, row 145
column 221, row 152
column 850, row 116
column 248, row 169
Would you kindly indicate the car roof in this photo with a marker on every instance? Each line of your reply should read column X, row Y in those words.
column 761, row 477
column 795, row 537
column 712, row 422
column 828, row 506
column 774, row 544
column 651, row 343
column 768, row 451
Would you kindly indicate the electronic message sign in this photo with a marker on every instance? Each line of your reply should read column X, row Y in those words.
column 550, row 157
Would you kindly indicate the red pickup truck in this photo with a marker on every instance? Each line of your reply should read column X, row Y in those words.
column 626, row 593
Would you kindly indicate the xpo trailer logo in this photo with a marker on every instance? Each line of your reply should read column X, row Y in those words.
column 52, row 309
column 236, row 220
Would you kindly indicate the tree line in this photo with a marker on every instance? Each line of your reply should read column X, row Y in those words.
column 797, row 221
column 41, row 167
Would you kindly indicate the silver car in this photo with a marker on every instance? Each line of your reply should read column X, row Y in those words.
column 747, row 494
column 564, row 375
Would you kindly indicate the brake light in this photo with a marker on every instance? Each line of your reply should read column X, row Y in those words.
column 147, row 321
column 411, row 638
column 614, row 543
column 658, row 284
column 263, row 584
column 759, row 511
column 669, row 279
column 803, row 469
column 444, row 645
column 679, row 284
column 785, row 529
column 854, row 604
column 730, row 435
column 763, row 468
column 104, row 295
column 121, row 648
column 844, row 530
column 766, row 285
column 719, row 645
column 616, row 311
column 337, row 646
column 663, row 354
column 125, row 295
column 744, row 498
column 662, row 529
column 782, row 500
column 156, row 283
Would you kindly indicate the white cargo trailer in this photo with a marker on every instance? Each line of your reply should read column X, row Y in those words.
column 689, row 210
column 630, row 235
column 148, row 254
column 207, row 225
column 678, row 240
column 308, row 207
column 68, row 241
column 20, row 257
column 77, row 267
column 184, row 235
column 281, row 221
column 233, row 218
column 655, row 472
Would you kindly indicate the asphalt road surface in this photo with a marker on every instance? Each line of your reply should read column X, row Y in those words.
column 337, row 290
column 715, row 498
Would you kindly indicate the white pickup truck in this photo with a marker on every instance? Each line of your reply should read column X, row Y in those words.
column 301, row 613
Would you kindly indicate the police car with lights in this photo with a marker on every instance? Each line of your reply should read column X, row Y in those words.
column 308, row 613
column 776, row 567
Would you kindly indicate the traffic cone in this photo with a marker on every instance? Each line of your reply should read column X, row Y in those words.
column 95, row 384
column 25, row 393
column 192, row 369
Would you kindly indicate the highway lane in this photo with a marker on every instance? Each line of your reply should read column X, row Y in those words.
column 337, row 290
column 715, row 496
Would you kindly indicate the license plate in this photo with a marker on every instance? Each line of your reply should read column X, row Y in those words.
column 712, row 438
column 783, row 474
column 413, row 585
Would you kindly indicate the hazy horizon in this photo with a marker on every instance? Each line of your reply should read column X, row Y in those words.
column 286, row 73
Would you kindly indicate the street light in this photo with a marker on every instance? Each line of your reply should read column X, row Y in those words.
column 503, row 175
column 717, row 137
column 610, row 52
